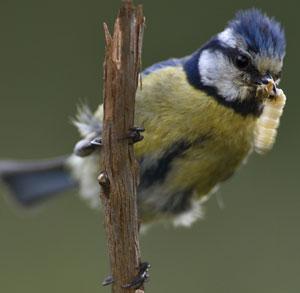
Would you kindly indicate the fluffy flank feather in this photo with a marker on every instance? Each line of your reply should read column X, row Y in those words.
column 86, row 122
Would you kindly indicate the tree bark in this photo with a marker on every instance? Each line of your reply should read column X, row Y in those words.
column 120, row 175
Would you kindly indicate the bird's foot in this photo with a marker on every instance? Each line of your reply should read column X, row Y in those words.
column 85, row 146
column 135, row 134
column 142, row 277
column 108, row 281
column 97, row 142
column 137, row 282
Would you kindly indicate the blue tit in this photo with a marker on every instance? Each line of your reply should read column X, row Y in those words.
column 200, row 113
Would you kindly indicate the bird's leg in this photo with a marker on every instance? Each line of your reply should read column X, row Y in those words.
column 142, row 277
column 87, row 146
column 135, row 134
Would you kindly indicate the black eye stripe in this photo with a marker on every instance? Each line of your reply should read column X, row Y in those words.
column 229, row 52
column 232, row 53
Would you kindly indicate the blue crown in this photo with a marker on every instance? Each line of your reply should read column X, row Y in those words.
column 263, row 35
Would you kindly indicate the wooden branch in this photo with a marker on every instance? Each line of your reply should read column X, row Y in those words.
column 119, row 178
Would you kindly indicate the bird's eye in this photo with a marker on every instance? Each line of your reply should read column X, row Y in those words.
column 242, row 61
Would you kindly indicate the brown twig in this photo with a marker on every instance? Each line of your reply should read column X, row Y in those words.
column 120, row 169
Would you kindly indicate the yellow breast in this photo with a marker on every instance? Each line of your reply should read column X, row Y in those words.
column 171, row 110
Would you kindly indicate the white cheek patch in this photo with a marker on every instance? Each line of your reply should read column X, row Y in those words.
column 217, row 71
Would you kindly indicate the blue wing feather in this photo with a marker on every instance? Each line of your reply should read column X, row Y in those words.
column 173, row 62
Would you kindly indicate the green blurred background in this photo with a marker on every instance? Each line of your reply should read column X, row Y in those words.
column 51, row 57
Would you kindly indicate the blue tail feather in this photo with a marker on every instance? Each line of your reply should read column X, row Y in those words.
column 32, row 182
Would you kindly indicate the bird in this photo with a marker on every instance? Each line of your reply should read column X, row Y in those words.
column 200, row 114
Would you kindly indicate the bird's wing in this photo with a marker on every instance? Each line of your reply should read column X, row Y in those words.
column 89, row 124
column 172, row 62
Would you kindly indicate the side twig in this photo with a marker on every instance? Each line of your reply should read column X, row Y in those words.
column 119, row 177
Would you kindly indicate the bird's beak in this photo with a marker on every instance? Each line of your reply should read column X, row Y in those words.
column 267, row 82
column 266, row 79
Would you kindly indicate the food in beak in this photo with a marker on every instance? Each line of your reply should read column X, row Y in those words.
column 266, row 91
column 266, row 129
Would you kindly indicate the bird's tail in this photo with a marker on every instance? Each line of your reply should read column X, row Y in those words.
column 33, row 181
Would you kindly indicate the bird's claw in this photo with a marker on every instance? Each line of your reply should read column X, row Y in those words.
column 135, row 134
column 96, row 142
column 108, row 281
column 142, row 277
column 86, row 146
column 137, row 282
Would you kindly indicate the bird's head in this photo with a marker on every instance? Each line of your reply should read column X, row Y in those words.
column 248, row 53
